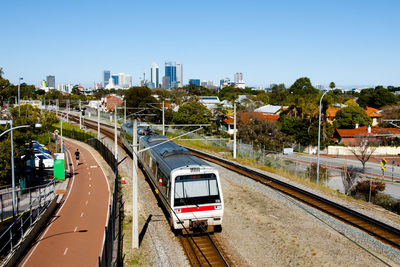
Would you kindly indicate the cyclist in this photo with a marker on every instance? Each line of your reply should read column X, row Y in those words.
column 77, row 157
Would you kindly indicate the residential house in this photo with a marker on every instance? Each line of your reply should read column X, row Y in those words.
column 350, row 136
column 245, row 118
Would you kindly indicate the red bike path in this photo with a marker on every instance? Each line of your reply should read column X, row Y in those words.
column 75, row 234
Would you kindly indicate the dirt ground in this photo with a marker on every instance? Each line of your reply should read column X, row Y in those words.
column 262, row 228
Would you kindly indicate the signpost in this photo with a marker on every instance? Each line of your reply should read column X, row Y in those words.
column 383, row 162
column 59, row 166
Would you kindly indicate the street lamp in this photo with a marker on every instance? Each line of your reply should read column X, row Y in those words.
column 319, row 133
column 19, row 106
column 12, row 153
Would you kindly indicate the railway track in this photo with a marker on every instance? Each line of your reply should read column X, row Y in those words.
column 378, row 229
column 201, row 249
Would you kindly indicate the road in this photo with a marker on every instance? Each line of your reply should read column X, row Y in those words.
column 372, row 168
column 74, row 236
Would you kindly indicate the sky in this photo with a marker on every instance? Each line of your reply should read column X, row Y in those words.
column 353, row 43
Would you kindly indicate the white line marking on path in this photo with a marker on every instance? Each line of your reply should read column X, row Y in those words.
column 90, row 185
column 90, row 179
column 76, row 227
column 93, row 167
column 82, row 214
column 86, row 202
column 65, row 252
column 58, row 212
column 89, row 193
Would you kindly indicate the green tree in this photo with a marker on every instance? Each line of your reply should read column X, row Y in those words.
column 348, row 117
column 192, row 113
column 332, row 85
column 138, row 97
column 376, row 98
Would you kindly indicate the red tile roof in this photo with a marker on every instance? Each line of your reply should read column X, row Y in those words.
column 245, row 117
column 331, row 112
column 373, row 112
column 351, row 133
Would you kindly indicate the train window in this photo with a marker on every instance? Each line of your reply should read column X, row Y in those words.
column 165, row 181
column 196, row 189
column 154, row 167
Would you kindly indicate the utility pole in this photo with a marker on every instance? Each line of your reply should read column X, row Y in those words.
column 234, row 129
column 135, row 210
column 124, row 111
column 80, row 115
column 12, row 168
column 56, row 107
column 163, row 119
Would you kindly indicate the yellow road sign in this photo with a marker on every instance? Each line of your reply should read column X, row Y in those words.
column 383, row 168
column 383, row 162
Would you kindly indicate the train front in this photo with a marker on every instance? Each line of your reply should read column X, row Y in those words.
column 197, row 201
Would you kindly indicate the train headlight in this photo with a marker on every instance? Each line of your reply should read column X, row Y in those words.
column 218, row 207
column 178, row 210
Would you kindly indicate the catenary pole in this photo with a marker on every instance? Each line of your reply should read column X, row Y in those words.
column 319, row 133
column 98, row 122
column 80, row 115
column 135, row 210
column 163, row 119
column 234, row 129
column 115, row 133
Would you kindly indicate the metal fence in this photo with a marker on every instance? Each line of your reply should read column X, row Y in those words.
column 36, row 202
column 23, row 200
column 111, row 254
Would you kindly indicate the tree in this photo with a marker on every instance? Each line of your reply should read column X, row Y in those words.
column 376, row 98
column 192, row 113
column 263, row 133
column 363, row 147
column 138, row 97
column 348, row 117
column 332, row 85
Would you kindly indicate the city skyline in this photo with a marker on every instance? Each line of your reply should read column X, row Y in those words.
column 350, row 43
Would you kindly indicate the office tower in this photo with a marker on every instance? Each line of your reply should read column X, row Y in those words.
column 51, row 81
column 238, row 77
column 155, row 75
column 128, row 81
column 224, row 81
column 166, row 82
column 195, row 82
column 121, row 80
column 115, row 79
column 170, row 71
column 179, row 72
column 106, row 77
column 203, row 83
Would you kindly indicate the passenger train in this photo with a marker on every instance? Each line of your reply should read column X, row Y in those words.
column 190, row 188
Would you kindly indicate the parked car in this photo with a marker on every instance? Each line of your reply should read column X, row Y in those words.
column 41, row 158
column 38, row 146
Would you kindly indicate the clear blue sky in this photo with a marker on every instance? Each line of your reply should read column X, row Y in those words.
column 350, row 42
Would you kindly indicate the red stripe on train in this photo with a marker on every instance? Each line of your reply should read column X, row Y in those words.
column 201, row 208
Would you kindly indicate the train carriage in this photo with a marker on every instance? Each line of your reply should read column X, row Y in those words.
column 190, row 188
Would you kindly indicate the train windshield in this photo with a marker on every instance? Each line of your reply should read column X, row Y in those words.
column 196, row 189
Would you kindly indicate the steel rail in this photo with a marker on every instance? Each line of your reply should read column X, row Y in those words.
column 380, row 230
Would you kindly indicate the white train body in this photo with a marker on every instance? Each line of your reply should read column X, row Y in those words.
column 189, row 188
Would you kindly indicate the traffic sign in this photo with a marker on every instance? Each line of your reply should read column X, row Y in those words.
column 383, row 162
column 59, row 166
column 383, row 168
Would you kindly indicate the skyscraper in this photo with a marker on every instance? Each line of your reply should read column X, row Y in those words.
column 170, row 72
column 115, row 79
column 128, row 81
column 195, row 82
column 179, row 72
column 238, row 77
column 51, row 81
column 155, row 75
column 106, row 77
